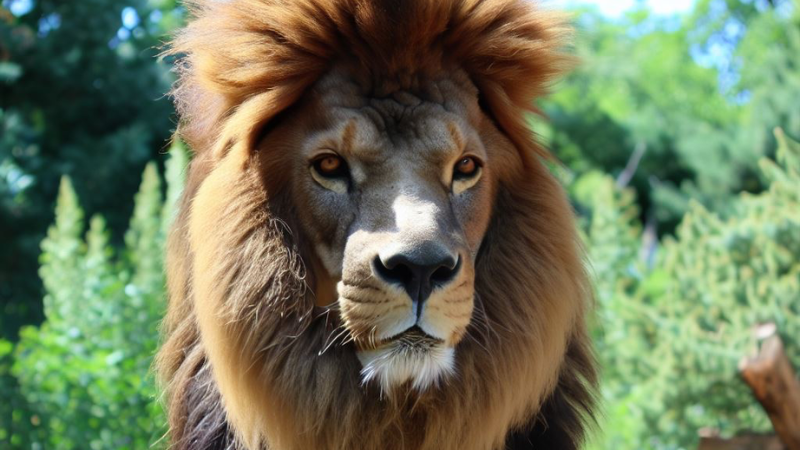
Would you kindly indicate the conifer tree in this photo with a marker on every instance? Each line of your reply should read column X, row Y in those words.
column 62, row 251
column 85, row 373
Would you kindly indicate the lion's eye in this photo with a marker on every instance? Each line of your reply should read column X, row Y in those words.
column 330, row 166
column 466, row 167
column 466, row 173
column 331, row 172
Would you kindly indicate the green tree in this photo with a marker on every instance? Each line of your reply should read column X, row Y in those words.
column 639, row 87
column 672, row 333
column 730, row 273
column 698, row 93
column 81, row 94
column 625, row 328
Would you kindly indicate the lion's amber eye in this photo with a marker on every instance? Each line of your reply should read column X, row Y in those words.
column 330, row 166
column 466, row 167
column 466, row 173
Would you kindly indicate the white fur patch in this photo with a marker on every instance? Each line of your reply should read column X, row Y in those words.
column 395, row 364
column 397, row 326
column 413, row 213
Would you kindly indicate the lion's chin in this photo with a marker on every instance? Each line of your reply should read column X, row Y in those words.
column 400, row 361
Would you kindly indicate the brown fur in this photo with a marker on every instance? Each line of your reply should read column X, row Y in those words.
column 238, row 265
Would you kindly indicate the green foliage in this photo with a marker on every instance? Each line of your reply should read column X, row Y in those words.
column 19, row 424
column 81, row 94
column 700, row 93
column 671, row 336
column 638, row 86
column 84, row 375
column 762, row 72
column 624, row 329
column 730, row 274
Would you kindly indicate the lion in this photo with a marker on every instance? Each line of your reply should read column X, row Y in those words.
column 371, row 252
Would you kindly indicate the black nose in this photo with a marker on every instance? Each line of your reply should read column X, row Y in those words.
column 419, row 270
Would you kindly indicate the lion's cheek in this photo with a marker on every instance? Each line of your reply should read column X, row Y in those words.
column 448, row 312
column 447, row 319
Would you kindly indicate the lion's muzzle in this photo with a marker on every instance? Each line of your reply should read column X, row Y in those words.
column 418, row 270
column 406, row 294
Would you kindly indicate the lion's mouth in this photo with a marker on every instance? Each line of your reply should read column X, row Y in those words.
column 414, row 339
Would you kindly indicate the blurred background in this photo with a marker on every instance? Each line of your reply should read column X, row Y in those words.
column 676, row 137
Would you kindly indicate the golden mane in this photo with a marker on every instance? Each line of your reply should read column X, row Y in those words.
column 253, row 377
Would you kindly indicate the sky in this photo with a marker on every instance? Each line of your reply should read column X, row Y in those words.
column 615, row 8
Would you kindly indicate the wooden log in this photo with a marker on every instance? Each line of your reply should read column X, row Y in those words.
column 741, row 443
column 773, row 382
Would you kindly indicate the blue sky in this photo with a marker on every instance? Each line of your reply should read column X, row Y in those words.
column 616, row 7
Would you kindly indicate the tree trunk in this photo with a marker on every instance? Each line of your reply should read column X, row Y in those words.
column 773, row 382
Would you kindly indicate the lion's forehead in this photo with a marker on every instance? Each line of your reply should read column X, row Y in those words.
column 451, row 91
column 434, row 119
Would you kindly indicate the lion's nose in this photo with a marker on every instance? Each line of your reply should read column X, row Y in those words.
column 419, row 270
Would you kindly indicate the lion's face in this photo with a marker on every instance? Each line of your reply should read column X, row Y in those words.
column 398, row 187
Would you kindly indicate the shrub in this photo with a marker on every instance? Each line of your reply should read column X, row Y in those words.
column 85, row 373
column 729, row 274
column 671, row 336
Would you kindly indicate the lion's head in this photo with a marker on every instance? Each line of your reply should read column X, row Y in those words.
column 370, row 251
column 396, row 186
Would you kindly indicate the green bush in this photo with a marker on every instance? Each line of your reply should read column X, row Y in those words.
column 729, row 274
column 670, row 337
column 84, row 375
